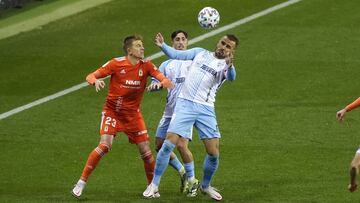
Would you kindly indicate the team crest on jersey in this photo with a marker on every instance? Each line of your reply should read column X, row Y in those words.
column 140, row 72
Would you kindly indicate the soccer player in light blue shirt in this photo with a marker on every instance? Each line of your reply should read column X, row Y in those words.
column 176, row 71
column 195, row 107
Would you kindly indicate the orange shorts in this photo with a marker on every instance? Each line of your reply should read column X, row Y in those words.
column 132, row 124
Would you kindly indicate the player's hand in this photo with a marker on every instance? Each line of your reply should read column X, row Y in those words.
column 159, row 39
column 154, row 87
column 99, row 84
column 229, row 60
column 167, row 83
column 340, row 115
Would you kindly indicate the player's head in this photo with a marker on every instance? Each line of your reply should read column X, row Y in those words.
column 226, row 46
column 133, row 46
column 179, row 40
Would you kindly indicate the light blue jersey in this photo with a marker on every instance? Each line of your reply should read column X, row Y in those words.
column 195, row 106
column 176, row 71
column 207, row 73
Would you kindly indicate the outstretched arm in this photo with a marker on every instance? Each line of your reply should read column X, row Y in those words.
column 341, row 114
column 173, row 53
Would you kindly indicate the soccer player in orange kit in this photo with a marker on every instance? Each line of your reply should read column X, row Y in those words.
column 354, row 167
column 121, row 111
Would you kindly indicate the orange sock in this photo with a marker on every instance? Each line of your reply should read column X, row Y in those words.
column 93, row 160
column 149, row 165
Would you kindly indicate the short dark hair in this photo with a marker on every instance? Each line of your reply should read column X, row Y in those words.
column 173, row 35
column 129, row 40
column 233, row 38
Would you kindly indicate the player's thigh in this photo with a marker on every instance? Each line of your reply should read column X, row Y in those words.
column 206, row 123
column 183, row 119
column 136, row 129
column 109, row 124
column 107, row 140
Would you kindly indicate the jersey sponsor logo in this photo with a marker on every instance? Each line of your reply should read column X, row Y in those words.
column 208, row 69
column 132, row 82
column 140, row 72
column 180, row 80
column 122, row 71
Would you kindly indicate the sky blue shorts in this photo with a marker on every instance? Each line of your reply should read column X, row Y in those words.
column 163, row 127
column 188, row 114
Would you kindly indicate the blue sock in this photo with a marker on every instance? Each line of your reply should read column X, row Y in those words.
column 189, row 168
column 175, row 163
column 211, row 164
column 162, row 161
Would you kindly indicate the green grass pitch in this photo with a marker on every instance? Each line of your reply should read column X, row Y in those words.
column 280, row 141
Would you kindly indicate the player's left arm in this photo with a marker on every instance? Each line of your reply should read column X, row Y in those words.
column 155, row 84
column 164, row 81
column 230, row 73
column 341, row 114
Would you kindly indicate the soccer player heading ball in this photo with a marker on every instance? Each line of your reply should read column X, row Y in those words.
column 195, row 107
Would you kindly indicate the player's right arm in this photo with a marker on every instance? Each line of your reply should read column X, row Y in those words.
column 340, row 114
column 94, row 77
column 180, row 54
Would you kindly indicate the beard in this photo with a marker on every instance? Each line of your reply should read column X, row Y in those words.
column 220, row 54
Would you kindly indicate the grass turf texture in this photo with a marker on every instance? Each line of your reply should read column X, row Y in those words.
column 281, row 143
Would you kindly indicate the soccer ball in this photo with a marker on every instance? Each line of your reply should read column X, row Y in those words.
column 208, row 17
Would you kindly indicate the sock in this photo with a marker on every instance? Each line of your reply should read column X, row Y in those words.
column 93, row 160
column 189, row 168
column 162, row 161
column 176, row 164
column 149, row 164
column 182, row 171
column 211, row 164
column 81, row 183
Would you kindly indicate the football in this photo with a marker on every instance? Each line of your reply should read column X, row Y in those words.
column 208, row 17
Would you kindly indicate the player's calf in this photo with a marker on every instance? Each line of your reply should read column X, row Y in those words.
column 353, row 183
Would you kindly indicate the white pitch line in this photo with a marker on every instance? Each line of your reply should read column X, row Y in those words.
column 155, row 56
column 44, row 19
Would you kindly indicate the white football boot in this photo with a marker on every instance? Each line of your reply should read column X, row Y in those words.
column 192, row 187
column 78, row 188
column 212, row 192
column 151, row 191
column 183, row 183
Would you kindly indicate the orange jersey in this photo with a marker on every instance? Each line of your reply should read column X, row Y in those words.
column 127, row 82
